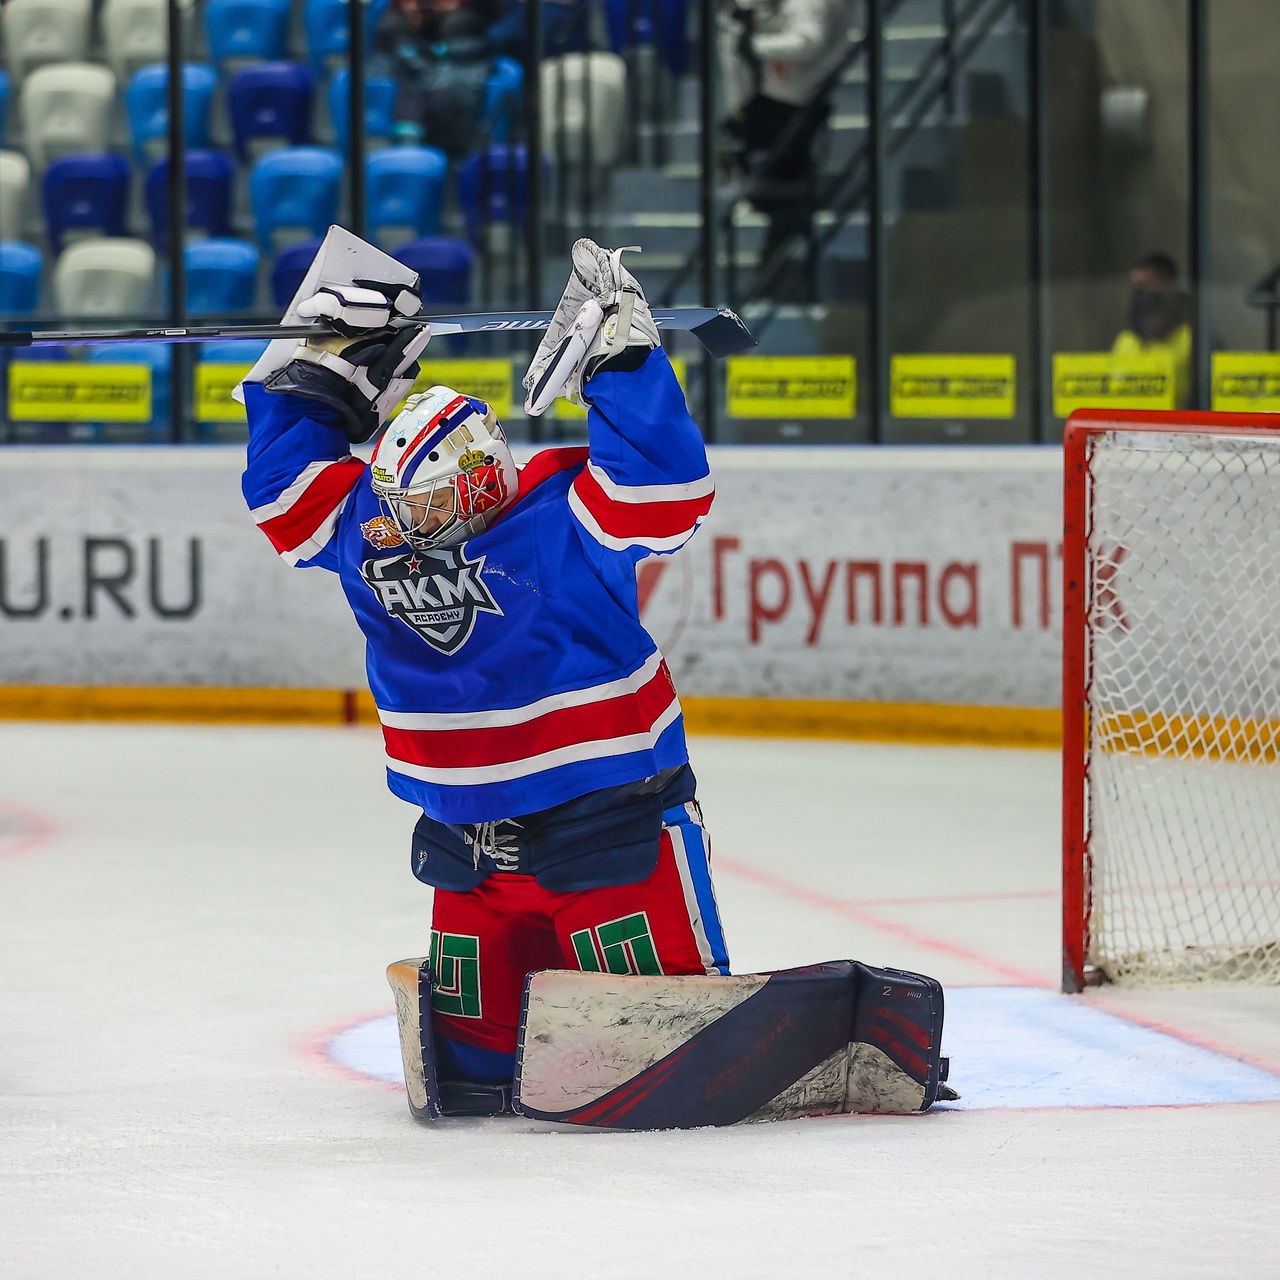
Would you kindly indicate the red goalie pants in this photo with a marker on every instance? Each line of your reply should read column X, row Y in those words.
column 486, row 941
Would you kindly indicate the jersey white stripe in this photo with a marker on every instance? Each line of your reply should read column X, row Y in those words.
column 287, row 499
column 652, row 492
column 589, row 523
column 444, row 721
column 315, row 544
column 479, row 775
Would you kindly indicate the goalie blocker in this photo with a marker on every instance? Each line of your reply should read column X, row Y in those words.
column 625, row 1052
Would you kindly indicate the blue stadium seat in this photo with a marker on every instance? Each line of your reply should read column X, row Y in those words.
column 502, row 100
column 327, row 25
column 85, row 191
column 209, row 178
column 230, row 351
column 295, row 187
column 156, row 354
column 19, row 277
column 564, row 28
column 491, row 187
column 146, row 103
column 379, row 107
column 405, row 189
column 443, row 265
column 657, row 22
column 4, row 103
column 239, row 29
column 290, row 270
column 271, row 100
column 222, row 275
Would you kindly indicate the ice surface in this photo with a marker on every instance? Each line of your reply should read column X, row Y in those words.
column 188, row 914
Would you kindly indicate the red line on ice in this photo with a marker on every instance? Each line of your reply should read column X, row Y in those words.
column 37, row 829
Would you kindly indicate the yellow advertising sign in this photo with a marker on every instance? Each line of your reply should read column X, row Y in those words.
column 78, row 391
column 1246, row 382
column 791, row 386
column 952, row 386
column 214, row 383
column 487, row 380
column 1100, row 380
column 565, row 411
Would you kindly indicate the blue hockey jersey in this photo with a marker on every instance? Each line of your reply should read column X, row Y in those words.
column 511, row 673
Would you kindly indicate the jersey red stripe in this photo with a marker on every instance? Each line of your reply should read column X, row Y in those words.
column 639, row 519
column 317, row 501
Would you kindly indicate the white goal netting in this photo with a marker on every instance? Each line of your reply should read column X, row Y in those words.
column 1183, row 701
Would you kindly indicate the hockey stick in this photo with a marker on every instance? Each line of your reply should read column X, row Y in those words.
column 721, row 331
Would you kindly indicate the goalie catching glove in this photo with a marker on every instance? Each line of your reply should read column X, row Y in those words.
column 603, row 316
column 359, row 363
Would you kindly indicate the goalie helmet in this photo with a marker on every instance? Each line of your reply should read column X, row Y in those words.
column 443, row 469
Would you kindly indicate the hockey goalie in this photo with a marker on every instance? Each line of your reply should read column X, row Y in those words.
column 578, row 968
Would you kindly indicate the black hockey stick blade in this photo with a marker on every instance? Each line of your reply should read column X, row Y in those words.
column 721, row 332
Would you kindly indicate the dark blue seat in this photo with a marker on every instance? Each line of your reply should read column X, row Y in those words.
column 492, row 186
column 290, row 269
column 379, row 107
column 271, row 100
column 406, row 189
column 247, row 28
column 231, row 351
column 222, row 275
column 564, row 29
column 209, row 178
column 4, row 103
column 657, row 22
column 502, row 98
column 295, row 187
column 443, row 265
column 328, row 28
column 146, row 103
column 85, row 191
column 19, row 277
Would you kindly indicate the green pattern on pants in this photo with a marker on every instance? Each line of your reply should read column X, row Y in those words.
column 624, row 946
column 455, row 969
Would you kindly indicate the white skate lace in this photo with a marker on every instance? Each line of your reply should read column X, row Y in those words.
column 500, row 846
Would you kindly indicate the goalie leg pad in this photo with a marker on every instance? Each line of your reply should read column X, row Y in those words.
column 681, row 1052
column 411, row 984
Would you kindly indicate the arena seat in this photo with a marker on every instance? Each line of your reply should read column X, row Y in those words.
column 491, row 187
column 222, row 275
column 20, row 266
column 108, row 277
column 246, row 29
column 290, row 269
column 294, row 188
column 271, row 100
column 15, row 179
column 379, row 108
column 146, row 103
column 135, row 33
column 594, row 89
column 502, row 98
column 443, row 264
column 67, row 110
column 327, row 26
column 662, row 23
column 231, row 351
column 4, row 104
column 85, row 192
column 37, row 32
column 209, row 179
column 405, row 188
column 158, row 355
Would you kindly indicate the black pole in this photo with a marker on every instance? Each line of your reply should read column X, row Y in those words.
column 1038, row 337
column 707, row 192
column 877, row 334
column 177, row 193
column 356, row 126
column 533, row 148
column 1198, row 263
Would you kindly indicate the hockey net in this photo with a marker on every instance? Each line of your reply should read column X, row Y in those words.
column 1171, row 721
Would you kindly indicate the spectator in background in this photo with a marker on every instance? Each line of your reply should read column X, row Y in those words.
column 784, row 58
column 1158, row 320
column 440, row 56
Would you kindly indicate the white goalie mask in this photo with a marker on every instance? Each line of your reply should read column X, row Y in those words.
column 443, row 469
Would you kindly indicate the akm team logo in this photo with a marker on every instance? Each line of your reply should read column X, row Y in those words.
column 437, row 593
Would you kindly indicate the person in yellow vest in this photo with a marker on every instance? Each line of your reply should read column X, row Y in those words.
column 1158, row 320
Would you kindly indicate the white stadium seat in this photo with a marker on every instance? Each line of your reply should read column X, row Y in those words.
column 109, row 276
column 37, row 32
column 135, row 33
column 15, row 178
column 595, row 86
column 67, row 108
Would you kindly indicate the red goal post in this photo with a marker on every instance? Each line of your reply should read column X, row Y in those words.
column 1171, row 698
